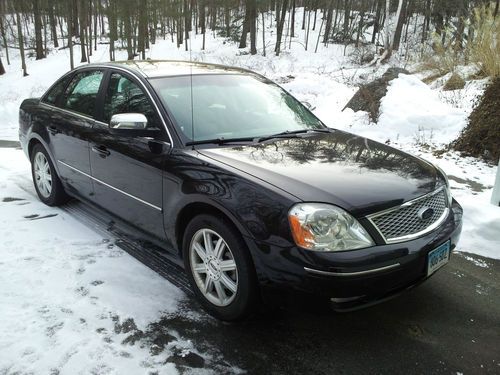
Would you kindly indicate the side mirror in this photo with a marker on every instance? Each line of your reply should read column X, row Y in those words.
column 128, row 121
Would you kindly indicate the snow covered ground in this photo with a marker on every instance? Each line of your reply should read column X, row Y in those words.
column 68, row 296
column 71, row 302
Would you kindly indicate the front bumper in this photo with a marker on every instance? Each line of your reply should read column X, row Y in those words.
column 351, row 279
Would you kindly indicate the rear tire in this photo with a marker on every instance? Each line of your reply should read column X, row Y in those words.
column 48, row 186
column 220, row 269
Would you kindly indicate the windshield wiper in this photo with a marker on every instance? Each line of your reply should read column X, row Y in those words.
column 219, row 141
column 293, row 133
column 285, row 134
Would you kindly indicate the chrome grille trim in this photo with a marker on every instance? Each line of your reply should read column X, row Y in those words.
column 395, row 229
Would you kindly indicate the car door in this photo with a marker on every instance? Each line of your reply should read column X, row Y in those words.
column 70, row 124
column 128, row 169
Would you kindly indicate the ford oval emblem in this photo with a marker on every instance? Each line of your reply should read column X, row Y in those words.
column 425, row 213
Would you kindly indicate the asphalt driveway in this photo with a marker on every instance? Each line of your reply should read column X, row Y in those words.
column 448, row 325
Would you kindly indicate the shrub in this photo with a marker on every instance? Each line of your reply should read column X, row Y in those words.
column 479, row 43
column 484, row 48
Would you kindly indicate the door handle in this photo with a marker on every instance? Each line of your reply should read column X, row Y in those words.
column 53, row 130
column 101, row 150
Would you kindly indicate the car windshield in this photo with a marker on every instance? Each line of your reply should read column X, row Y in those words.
column 231, row 106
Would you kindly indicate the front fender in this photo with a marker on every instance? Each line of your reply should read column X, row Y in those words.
column 257, row 211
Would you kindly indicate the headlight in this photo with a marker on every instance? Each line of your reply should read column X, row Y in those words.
column 323, row 227
column 448, row 190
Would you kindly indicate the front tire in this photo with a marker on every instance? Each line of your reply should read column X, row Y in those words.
column 47, row 183
column 220, row 268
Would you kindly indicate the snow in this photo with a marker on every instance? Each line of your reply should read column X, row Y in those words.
column 415, row 117
column 64, row 290
column 411, row 106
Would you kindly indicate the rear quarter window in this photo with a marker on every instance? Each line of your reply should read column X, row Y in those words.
column 52, row 96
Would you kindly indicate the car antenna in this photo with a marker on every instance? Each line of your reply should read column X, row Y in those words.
column 191, row 78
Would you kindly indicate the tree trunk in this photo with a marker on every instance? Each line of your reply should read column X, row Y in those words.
column 128, row 33
column 141, row 42
column 319, row 35
column 70, row 36
column 74, row 17
column 329, row 18
column 21, row 43
column 246, row 29
column 389, row 37
column 227, row 18
column 4, row 36
column 82, row 15
column 263, row 35
column 111, row 10
column 203, row 22
column 376, row 24
column 347, row 19
column 427, row 20
column 400, row 23
column 252, row 9
column 281, row 23
column 308, row 28
column 53, row 26
column 187, row 25
column 361, row 22
column 89, row 32
column 38, row 30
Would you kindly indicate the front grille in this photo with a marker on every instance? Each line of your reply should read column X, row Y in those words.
column 405, row 222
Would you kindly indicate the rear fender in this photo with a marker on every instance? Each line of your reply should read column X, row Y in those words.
column 43, row 139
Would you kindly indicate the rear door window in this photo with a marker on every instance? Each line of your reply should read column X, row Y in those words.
column 81, row 94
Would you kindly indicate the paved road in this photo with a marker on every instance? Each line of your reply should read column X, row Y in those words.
column 448, row 325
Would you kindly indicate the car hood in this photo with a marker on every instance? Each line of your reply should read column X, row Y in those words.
column 355, row 173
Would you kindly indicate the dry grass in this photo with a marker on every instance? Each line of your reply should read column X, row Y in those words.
column 484, row 50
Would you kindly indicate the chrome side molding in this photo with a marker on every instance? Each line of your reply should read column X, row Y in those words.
column 111, row 187
column 350, row 274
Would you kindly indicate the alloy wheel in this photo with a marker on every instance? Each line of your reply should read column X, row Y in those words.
column 214, row 267
column 43, row 176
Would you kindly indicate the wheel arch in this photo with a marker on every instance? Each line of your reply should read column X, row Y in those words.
column 36, row 139
column 191, row 210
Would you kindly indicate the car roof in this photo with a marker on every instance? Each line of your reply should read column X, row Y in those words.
column 169, row 68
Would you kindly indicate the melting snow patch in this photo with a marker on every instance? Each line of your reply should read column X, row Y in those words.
column 478, row 262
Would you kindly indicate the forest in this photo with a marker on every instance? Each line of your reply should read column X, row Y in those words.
column 381, row 27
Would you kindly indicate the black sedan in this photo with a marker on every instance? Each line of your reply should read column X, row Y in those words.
column 240, row 180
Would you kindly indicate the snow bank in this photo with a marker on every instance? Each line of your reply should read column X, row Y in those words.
column 411, row 109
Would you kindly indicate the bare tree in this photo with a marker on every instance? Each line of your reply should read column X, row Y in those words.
column 3, row 31
column 52, row 21
column 39, row 50
column 70, row 34
column 252, row 18
column 21, row 43
column 280, row 23
column 2, row 69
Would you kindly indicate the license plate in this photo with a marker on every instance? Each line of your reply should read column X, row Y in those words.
column 438, row 257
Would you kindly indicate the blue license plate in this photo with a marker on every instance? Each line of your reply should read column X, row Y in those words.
column 438, row 257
